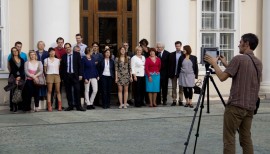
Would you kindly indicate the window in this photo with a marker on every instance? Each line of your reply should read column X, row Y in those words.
column 218, row 26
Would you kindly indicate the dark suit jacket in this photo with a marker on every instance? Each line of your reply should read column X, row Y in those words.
column 44, row 56
column 194, row 62
column 172, row 64
column 164, row 64
column 76, row 65
column 102, row 65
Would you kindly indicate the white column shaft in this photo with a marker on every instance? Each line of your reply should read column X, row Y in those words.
column 172, row 22
column 265, row 86
column 51, row 20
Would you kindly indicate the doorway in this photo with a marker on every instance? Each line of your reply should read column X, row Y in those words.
column 109, row 22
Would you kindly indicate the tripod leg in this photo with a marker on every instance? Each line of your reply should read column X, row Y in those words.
column 201, row 98
column 208, row 108
column 212, row 80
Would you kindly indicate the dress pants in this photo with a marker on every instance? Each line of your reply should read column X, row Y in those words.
column 106, row 83
column 163, row 90
column 174, row 90
column 71, row 81
column 31, row 90
column 139, row 87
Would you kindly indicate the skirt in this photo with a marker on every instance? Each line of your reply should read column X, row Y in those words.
column 153, row 86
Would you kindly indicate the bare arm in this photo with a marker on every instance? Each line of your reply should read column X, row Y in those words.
column 220, row 74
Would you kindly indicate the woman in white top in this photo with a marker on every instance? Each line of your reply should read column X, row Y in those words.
column 33, row 69
column 137, row 67
column 51, row 68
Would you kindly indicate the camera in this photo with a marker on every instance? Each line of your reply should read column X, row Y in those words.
column 213, row 52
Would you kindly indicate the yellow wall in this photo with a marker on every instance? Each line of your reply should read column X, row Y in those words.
column 251, row 20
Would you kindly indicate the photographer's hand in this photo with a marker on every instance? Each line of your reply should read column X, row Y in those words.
column 210, row 60
column 213, row 61
column 223, row 60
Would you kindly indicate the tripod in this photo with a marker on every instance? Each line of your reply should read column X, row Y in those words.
column 201, row 102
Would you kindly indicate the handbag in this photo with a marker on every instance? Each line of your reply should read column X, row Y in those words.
column 197, row 88
column 258, row 99
column 17, row 95
column 40, row 81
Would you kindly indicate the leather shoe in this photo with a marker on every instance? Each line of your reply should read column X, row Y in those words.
column 80, row 109
column 181, row 103
column 69, row 108
column 173, row 104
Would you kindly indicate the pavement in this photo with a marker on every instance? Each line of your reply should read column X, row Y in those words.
column 160, row 130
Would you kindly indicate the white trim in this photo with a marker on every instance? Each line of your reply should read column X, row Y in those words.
column 5, row 35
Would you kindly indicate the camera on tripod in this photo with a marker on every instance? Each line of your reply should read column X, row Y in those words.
column 213, row 52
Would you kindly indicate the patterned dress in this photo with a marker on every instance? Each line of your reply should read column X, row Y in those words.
column 123, row 72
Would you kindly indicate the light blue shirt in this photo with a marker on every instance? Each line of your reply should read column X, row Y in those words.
column 178, row 54
column 22, row 55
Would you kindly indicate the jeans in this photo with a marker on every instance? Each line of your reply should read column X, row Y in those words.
column 237, row 118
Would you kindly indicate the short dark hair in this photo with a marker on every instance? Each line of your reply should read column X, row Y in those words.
column 188, row 49
column 252, row 39
column 59, row 38
column 18, row 42
column 144, row 42
column 67, row 44
column 95, row 43
column 51, row 49
column 79, row 34
column 178, row 42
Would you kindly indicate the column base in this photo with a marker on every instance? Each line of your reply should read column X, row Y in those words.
column 265, row 90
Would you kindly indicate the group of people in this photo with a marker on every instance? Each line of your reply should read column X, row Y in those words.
column 88, row 72
column 149, row 70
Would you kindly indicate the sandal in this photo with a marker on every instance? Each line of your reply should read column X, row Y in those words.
column 190, row 105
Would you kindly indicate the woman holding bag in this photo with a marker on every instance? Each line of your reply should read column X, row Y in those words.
column 33, row 69
column 16, row 68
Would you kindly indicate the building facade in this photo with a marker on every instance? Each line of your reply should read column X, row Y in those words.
column 199, row 23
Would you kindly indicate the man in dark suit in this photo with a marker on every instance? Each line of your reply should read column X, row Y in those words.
column 164, row 57
column 173, row 62
column 71, row 73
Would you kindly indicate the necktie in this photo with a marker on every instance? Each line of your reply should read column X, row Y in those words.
column 69, row 63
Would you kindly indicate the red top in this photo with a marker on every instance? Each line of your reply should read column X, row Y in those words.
column 59, row 52
column 152, row 67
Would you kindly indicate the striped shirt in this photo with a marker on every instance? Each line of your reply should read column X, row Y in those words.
column 245, row 85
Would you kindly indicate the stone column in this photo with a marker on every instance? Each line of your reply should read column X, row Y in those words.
column 265, row 85
column 172, row 22
column 50, row 21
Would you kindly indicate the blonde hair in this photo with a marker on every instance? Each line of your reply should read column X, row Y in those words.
column 40, row 42
column 30, row 52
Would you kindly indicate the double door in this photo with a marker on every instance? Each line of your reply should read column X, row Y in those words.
column 109, row 22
